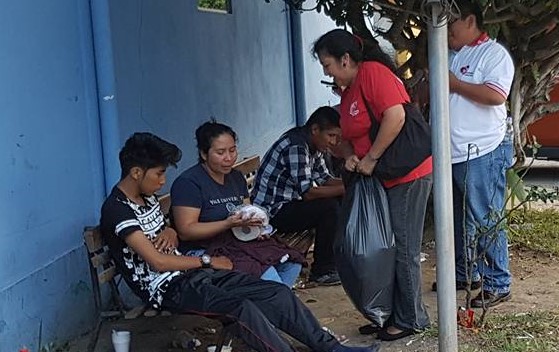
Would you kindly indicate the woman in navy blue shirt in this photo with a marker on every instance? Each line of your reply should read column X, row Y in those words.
column 203, row 198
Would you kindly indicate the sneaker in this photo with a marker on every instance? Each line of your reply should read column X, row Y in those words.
column 329, row 279
column 488, row 299
column 461, row 285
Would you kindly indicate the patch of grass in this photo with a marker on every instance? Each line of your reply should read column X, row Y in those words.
column 533, row 332
column 535, row 229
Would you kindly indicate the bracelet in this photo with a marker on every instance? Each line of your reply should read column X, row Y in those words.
column 372, row 158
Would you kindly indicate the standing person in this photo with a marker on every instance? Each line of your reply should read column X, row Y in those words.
column 144, row 252
column 481, row 74
column 365, row 74
column 295, row 186
column 202, row 199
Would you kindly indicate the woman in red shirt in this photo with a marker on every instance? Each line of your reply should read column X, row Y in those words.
column 363, row 72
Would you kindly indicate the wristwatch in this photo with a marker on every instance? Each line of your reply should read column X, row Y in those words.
column 206, row 261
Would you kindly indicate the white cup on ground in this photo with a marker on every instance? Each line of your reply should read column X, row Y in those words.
column 212, row 348
column 121, row 341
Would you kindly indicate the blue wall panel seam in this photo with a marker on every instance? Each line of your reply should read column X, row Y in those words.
column 80, row 247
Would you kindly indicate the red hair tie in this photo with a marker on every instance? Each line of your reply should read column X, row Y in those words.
column 359, row 41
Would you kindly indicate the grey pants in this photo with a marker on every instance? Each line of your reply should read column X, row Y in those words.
column 408, row 203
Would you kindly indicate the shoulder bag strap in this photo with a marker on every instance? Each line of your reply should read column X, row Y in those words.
column 374, row 123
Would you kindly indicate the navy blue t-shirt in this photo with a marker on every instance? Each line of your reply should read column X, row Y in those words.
column 196, row 189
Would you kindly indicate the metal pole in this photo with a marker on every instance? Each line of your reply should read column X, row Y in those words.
column 442, row 174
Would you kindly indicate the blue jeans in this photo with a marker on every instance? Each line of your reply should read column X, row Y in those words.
column 284, row 273
column 479, row 187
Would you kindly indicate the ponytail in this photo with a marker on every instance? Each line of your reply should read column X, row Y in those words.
column 338, row 42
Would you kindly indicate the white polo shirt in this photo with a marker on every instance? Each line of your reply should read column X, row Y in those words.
column 482, row 126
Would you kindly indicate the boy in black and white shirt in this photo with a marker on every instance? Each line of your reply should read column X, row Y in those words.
column 122, row 217
column 145, row 253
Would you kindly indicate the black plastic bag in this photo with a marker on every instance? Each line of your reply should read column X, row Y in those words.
column 364, row 248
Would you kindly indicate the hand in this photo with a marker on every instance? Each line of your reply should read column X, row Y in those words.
column 351, row 163
column 222, row 263
column 366, row 165
column 236, row 220
column 453, row 82
column 166, row 240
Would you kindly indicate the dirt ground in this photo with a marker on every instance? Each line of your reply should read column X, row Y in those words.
column 535, row 287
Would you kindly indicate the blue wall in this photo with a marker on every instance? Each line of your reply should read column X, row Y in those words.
column 51, row 180
column 177, row 66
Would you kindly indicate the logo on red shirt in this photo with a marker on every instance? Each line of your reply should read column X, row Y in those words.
column 353, row 110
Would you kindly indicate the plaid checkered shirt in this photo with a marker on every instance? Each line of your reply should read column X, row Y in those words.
column 288, row 170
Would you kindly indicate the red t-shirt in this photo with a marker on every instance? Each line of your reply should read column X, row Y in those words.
column 383, row 90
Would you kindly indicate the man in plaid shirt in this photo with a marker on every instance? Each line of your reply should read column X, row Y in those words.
column 295, row 186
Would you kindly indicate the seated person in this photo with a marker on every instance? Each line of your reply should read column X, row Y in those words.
column 295, row 186
column 202, row 199
column 144, row 252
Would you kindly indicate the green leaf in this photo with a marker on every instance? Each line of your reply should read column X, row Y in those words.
column 516, row 186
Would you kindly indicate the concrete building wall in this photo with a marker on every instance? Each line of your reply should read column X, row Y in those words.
column 62, row 121
column 176, row 67
column 51, row 180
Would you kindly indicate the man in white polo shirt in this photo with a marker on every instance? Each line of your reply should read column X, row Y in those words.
column 481, row 74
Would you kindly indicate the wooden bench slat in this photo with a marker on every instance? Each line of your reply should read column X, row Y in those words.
column 107, row 275
column 101, row 259
column 248, row 165
column 93, row 239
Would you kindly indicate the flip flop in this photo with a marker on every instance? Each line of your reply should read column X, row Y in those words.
column 383, row 335
column 369, row 329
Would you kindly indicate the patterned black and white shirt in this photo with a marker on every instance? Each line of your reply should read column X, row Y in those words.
column 121, row 217
column 288, row 170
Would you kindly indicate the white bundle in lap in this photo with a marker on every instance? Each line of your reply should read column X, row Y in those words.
column 249, row 233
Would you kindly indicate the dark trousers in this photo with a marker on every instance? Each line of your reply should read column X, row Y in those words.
column 258, row 307
column 408, row 203
column 321, row 214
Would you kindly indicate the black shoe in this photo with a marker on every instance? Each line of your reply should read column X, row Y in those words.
column 461, row 285
column 369, row 329
column 488, row 299
column 329, row 279
column 383, row 335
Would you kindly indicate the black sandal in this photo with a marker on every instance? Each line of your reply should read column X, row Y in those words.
column 369, row 329
column 383, row 335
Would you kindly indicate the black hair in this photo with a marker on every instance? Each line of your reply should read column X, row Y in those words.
column 325, row 117
column 207, row 132
column 468, row 8
column 146, row 151
column 338, row 41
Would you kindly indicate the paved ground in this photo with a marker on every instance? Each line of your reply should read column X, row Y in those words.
column 543, row 173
